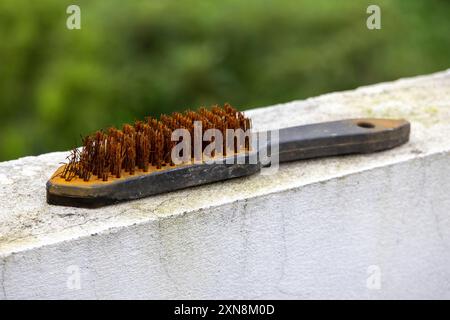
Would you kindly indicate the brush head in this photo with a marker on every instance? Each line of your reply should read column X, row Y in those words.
column 115, row 165
column 145, row 146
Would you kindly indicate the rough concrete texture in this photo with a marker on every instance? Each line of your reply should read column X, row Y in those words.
column 366, row 226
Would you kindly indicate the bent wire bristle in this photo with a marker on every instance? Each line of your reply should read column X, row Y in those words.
column 111, row 153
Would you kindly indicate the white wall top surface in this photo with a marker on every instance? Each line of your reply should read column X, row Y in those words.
column 28, row 222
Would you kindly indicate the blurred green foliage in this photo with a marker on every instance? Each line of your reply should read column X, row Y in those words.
column 137, row 58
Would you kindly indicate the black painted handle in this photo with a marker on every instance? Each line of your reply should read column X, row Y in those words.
column 341, row 137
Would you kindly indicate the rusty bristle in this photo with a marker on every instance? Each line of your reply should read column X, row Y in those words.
column 145, row 143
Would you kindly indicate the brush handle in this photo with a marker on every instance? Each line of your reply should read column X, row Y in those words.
column 341, row 137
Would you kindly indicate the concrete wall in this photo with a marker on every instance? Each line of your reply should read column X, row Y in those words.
column 366, row 226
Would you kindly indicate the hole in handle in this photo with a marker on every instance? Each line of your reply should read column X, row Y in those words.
column 365, row 125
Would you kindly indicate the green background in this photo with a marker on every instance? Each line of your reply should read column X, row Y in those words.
column 137, row 58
